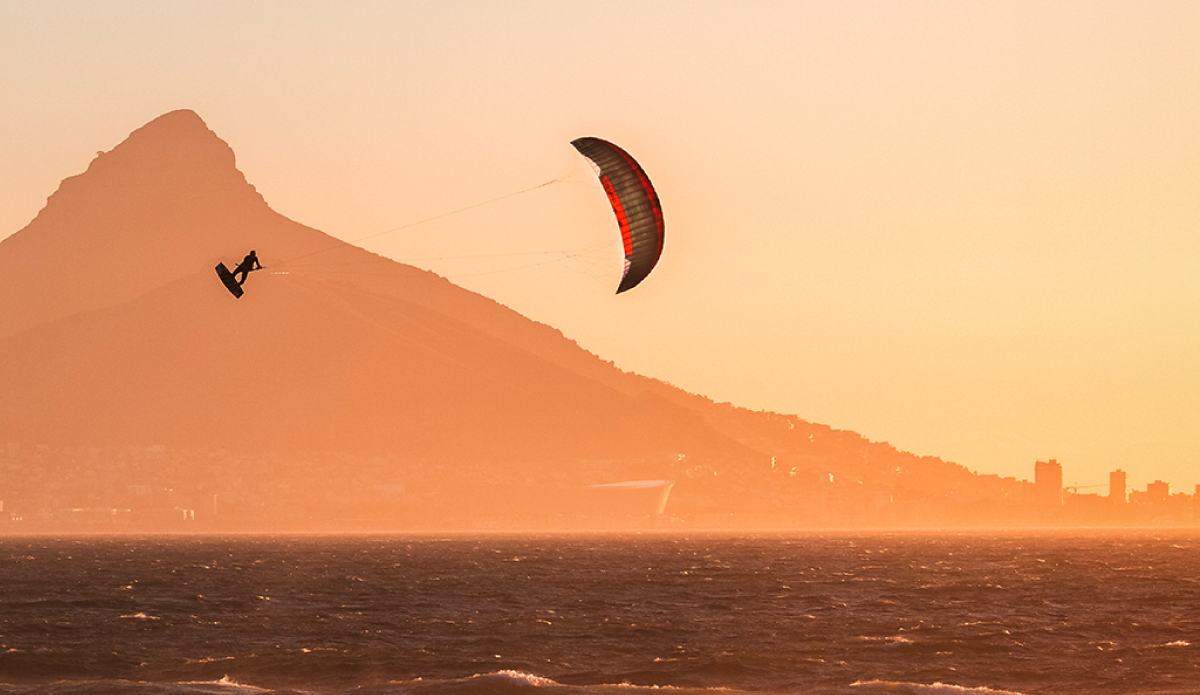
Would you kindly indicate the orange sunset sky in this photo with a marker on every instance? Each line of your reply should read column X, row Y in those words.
column 969, row 229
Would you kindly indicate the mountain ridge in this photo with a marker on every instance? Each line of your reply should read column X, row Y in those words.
column 120, row 336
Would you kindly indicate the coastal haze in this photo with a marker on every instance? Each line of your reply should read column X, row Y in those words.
column 348, row 391
column 353, row 390
column 965, row 230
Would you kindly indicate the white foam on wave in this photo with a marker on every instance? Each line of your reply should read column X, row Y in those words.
column 889, row 640
column 927, row 689
column 523, row 677
column 140, row 616
column 225, row 682
column 678, row 688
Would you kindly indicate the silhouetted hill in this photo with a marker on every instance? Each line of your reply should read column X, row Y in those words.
column 299, row 364
column 119, row 321
column 115, row 334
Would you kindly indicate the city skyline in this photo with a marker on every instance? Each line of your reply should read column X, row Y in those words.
column 158, row 489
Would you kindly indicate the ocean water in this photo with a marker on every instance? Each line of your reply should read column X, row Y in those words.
column 1115, row 612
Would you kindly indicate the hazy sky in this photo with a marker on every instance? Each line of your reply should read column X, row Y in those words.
column 965, row 228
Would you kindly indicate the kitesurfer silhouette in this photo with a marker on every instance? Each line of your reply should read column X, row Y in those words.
column 250, row 262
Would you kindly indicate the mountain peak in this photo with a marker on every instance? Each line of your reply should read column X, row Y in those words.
column 173, row 130
column 166, row 201
column 174, row 152
column 186, row 118
column 176, row 130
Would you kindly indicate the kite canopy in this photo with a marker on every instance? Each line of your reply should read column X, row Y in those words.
column 635, row 203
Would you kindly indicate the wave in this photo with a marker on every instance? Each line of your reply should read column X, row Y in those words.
column 140, row 616
column 507, row 682
column 495, row 683
column 223, row 686
column 511, row 682
column 896, row 688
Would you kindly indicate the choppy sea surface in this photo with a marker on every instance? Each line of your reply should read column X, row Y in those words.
column 1115, row 612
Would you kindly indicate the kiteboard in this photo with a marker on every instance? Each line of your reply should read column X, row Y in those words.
column 231, row 282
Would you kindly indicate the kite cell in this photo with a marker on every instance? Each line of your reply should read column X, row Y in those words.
column 639, row 214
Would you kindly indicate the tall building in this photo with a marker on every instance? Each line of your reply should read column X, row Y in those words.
column 1047, row 483
column 1117, row 485
column 1158, row 491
